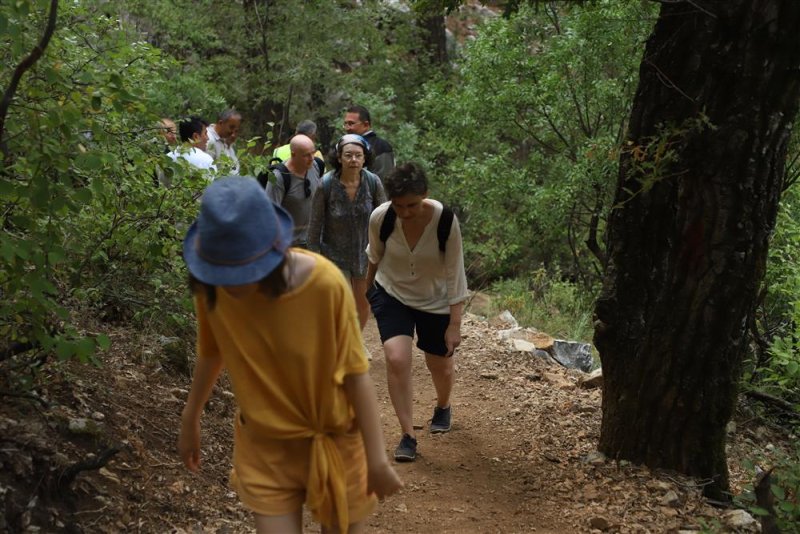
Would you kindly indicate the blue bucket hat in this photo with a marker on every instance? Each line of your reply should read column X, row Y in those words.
column 240, row 235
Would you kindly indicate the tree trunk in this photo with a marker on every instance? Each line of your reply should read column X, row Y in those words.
column 266, row 110
column 696, row 201
column 435, row 38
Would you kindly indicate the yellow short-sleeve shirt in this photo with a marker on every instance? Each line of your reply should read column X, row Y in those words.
column 287, row 358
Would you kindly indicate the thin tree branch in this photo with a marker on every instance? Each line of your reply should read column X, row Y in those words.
column 24, row 65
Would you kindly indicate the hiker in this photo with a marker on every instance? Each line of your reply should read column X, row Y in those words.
column 306, row 427
column 221, row 136
column 340, row 214
column 169, row 131
column 168, row 140
column 194, row 137
column 296, row 180
column 416, row 281
column 304, row 127
column 357, row 121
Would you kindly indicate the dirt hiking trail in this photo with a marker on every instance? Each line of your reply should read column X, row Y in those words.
column 520, row 457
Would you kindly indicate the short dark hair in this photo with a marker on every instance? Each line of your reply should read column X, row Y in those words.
column 363, row 113
column 406, row 179
column 273, row 285
column 188, row 127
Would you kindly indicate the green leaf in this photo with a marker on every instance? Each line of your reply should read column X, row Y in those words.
column 65, row 349
column 84, row 349
column 83, row 195
column 103, row 341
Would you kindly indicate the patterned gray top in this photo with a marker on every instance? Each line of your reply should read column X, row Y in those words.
column 338, row 227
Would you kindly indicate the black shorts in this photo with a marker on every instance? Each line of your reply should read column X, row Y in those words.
column 396, row 319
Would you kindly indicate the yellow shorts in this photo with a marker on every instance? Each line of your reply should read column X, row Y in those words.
column 270, row 475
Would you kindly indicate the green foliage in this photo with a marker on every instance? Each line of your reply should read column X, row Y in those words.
column 288, row 60
column 558, row 307
column 85, row 228
column 524, row 140
column 785, row 488
column 778, row 316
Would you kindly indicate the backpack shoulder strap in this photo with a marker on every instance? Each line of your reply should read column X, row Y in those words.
column 372, row 182
column 387, row 225
column 326, row 185
column 286, row 177
column 444, row 226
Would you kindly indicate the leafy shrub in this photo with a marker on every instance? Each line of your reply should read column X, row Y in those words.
column 559, row 307
column 85, row 225
column 785, row 489
column 510, row 142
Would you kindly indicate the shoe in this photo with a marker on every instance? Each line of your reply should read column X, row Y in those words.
column 407, row 450
column 440, row 422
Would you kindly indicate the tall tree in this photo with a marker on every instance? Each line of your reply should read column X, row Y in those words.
column 696, row 201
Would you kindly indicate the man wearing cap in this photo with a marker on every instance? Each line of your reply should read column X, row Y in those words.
column 357, row 121
column 303, row 179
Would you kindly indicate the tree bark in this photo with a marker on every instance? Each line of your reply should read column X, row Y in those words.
column 435, row 38
column 696, row 201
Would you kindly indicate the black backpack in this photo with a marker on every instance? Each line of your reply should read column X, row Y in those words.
column 442, row 229
column 276, row 163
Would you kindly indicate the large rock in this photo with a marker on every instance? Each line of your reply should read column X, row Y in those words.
column 540, row 339
column 480, row 304
column 573, row 355
column 740, row 521
column 520, row 345
column 504, row 319
column 592, row 380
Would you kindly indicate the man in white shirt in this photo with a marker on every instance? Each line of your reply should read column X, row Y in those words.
column 194, row 139
column 221, row 136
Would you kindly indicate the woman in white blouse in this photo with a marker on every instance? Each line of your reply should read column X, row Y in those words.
column 416, row 282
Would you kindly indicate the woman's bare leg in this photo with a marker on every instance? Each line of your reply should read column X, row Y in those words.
column 279, row 524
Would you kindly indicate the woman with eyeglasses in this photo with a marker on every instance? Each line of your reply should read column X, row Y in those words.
column 340, row 214
column 295, row 182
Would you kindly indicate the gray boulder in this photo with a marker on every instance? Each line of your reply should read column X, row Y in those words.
column 573, row 355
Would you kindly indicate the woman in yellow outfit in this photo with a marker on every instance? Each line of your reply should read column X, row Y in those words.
column 283, row 323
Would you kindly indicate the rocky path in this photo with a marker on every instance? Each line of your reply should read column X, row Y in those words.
column 520, row 458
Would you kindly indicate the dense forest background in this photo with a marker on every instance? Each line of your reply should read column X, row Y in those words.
column 517, row 110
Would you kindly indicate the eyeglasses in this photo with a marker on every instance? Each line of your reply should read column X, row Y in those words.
column 351, row 123
column 354, row 156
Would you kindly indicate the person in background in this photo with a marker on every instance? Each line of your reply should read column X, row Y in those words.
column 340, row 213
column 416, row 282
column 282, row 322
column 169, row 131
column 307, row 128
column 221, row 136
column 304, row 173
column 357, row 121
column 194, row 138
